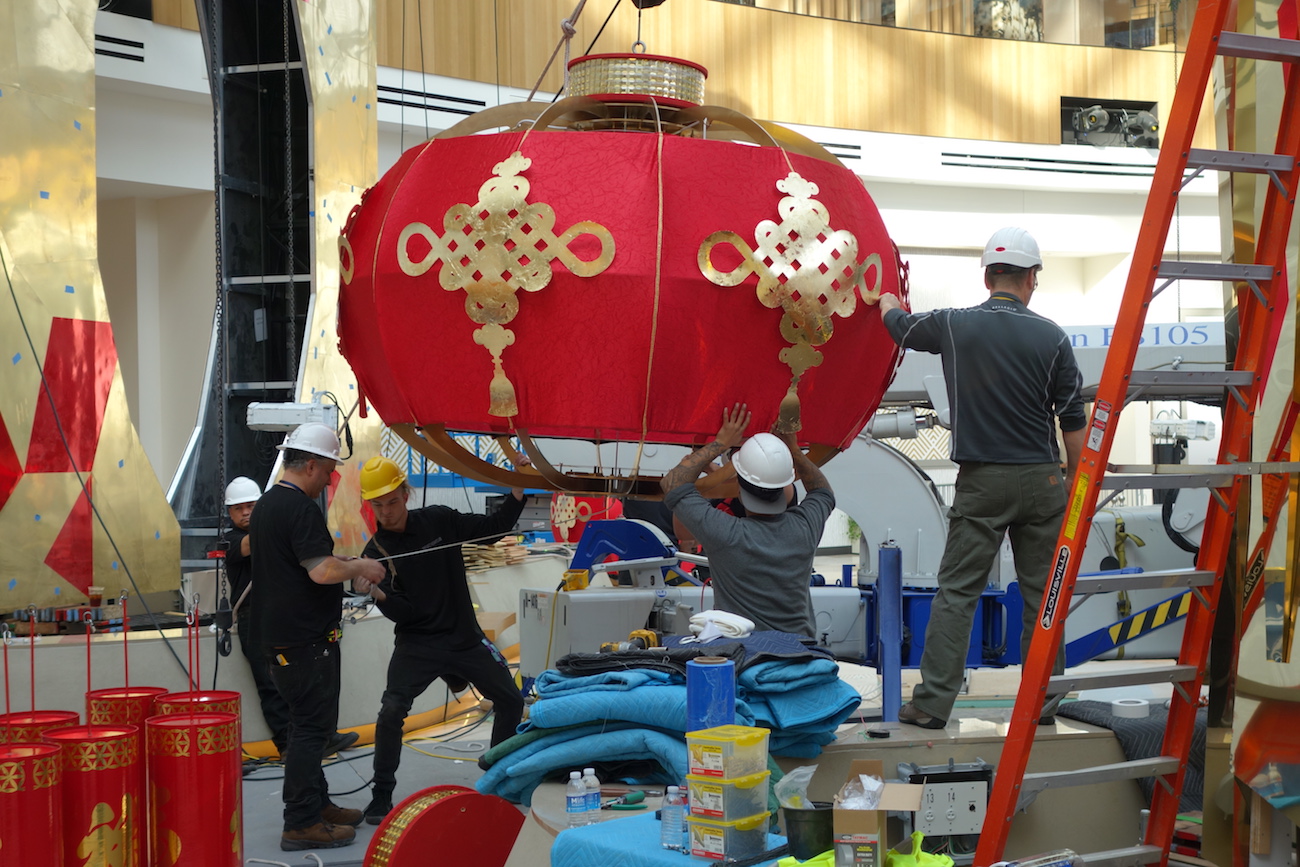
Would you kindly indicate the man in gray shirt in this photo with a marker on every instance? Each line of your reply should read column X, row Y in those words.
column 1010, row 376
column 761, row 564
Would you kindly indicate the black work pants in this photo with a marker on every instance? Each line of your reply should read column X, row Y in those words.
column 274, row 710
column 417, row 662
column 308, row 681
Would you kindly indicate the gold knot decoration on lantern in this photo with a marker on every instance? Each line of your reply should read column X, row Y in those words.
column 494, row 248
column 807, row 269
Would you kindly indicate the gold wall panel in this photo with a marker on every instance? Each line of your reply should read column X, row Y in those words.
column 53, row 545
column 785, row 67
column 340, row 55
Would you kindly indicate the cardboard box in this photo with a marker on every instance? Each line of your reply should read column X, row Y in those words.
column 862, row 836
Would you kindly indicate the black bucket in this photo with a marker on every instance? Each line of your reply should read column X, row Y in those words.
column 808, row 831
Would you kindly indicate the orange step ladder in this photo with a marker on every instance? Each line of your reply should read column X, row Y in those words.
column 1256, row 285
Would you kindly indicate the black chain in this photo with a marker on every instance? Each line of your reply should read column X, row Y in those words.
column 218, row 318
column 290, row 294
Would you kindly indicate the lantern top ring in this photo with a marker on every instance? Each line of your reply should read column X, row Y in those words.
column 637, row 74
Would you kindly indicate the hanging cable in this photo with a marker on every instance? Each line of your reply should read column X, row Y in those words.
column 424, row 83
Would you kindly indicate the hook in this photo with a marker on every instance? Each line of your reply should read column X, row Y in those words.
column 121, row 598
column 88, row 619
column 8, row 634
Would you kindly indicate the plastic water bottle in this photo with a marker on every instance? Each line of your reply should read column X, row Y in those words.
column 575, row 800
column 592, row 782
column 673, row 816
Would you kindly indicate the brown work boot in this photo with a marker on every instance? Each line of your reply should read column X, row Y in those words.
column 322, row 835
column 913, row 715
column 333, row 814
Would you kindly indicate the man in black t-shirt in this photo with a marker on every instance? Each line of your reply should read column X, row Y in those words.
column 241, row 494
column 427, row 596
column 297, row 600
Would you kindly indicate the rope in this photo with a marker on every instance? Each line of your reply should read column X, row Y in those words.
column 659, row 261
column 567, row 32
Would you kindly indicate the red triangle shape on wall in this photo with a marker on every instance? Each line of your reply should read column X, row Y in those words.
column 10, row 469
column 73, row 553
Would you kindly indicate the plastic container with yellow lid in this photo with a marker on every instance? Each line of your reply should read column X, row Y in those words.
column 728, row 800
column 727, row 751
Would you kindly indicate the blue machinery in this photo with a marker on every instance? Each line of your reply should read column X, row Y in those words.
column 896, row 616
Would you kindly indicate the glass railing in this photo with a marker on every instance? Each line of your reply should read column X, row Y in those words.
column 1110, row 23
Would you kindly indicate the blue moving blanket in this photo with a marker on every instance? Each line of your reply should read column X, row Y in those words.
column 662, row 706
column 640, row 713
column 515, row 776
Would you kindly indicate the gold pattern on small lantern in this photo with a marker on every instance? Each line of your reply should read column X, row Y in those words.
column 807, row 269
column 494, row 248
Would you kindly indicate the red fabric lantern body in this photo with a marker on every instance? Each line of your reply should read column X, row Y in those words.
column 195, row 794
column 479, row 273
column 102, row 799
column 459, row 824
column 31, row 805
column 27, row 726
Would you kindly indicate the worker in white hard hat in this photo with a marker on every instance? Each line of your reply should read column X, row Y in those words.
column 1012, row 381
column 241, row 494
column 426, row 594
column 761, row 564
column 297, row 600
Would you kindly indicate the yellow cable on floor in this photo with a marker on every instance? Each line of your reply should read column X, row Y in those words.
column 414, row 723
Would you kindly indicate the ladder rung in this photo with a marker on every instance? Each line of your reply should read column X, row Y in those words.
column 1194, row 378
column 1172, row 269
column 1258, row 47
column 1153, row 767
column 1129, row 856
column 1240, row 468
column 1064, row 683
column 1159, row 481
column 1239, row 161
column 1155, row 580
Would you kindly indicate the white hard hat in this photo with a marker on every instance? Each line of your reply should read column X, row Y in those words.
column 764, row 462
column 314, row 438
column 242, row 490
column 1011, row 246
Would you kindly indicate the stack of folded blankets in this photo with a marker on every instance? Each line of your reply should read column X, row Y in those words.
column 625, row 712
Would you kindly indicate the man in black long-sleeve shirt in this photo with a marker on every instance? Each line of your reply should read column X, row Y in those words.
column 1012, row 379
column 427, row 596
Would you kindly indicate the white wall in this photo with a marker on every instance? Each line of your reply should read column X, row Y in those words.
column 157, row 264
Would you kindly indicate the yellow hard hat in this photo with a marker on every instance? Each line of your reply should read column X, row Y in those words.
column 379, row 476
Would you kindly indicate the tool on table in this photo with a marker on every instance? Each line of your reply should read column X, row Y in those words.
column 637, row 639
column 630, row 801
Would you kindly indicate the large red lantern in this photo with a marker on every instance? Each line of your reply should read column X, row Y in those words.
column 618, row 266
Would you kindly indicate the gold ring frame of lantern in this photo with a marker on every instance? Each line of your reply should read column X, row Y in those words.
column 616, row 267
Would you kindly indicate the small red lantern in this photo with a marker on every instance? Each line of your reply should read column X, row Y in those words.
column 31, row 804
column 103, row 804
column 195, row 790
column 618, row 270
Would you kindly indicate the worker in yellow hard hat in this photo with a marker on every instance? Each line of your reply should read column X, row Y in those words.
column 427, row 596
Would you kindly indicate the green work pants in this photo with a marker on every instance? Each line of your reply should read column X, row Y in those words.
column 1025, row 501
